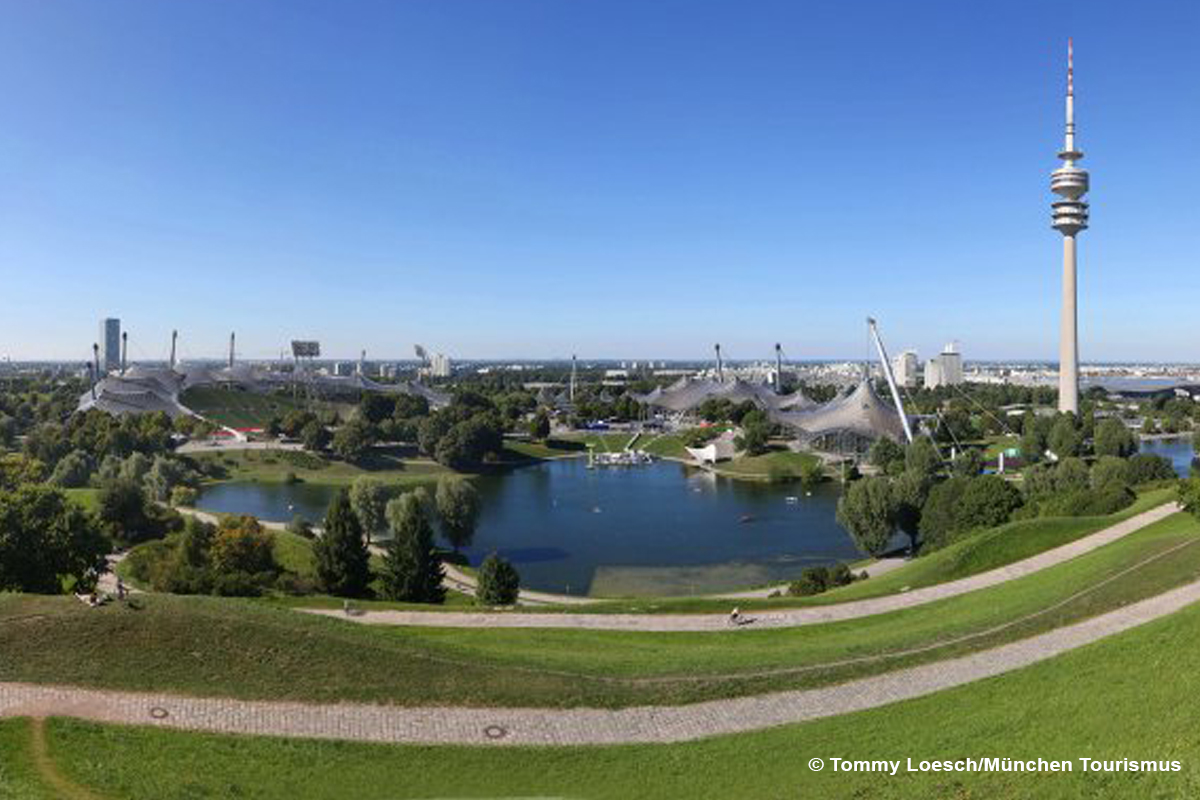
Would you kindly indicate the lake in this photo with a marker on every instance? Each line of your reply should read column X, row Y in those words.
column 1179, row 450
column 658, row 529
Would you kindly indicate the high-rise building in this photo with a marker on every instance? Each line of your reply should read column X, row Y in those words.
column 906, row 367
column 110, row 344
column 1070, row 216
column 944, row 369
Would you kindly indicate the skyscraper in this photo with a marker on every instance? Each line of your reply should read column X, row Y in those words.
column 110, row 344
column 1070, row 216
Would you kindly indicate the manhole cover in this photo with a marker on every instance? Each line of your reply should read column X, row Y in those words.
column 158, row 712
column 495, row 732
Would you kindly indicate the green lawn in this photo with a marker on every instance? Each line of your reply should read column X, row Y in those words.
column 774, row 465
column 394, row 465
column 551, row 448
column 248, row 649
column 1124, row 697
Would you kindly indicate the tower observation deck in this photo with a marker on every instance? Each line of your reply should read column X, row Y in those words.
column 1070, row 216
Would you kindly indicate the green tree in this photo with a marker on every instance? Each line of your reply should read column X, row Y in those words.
column 922, row 458
column 458, row 509
column 1188, row 495
column 351, row 441
column 756, row 431
column 1033, row 438
column 539, row 427
column 316, row 437
column 1112, row 438
column 123, row 512
column 909, row 492
column 46, row 539
column 412, row 571
column 1065, row 439
column 865, row 510
column 1149, row 467
column 163, row 476
column 968, row 463
column 1071, row 475
column 884, row 453
column 1109, row 472
column 242, row 545
column 369, row 498
column 499, row 582
column 341, row 551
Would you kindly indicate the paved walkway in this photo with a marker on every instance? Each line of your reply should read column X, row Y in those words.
column 783, row 618
column 580, row 726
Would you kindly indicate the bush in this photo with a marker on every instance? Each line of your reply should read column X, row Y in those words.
column 1148, row 467
column 840, row 575
column 300, row 527
column 813, row 580
column 241, row 584
column 184, row 496
column 1089, row 502
column 499, row 582
column 963, row 504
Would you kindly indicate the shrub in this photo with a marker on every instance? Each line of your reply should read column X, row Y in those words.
column 1089, row 502
column 300, row 527
column 1148, row 467
column 813, row 580
column 499, row 582
column 184, row 496
column 840, row 575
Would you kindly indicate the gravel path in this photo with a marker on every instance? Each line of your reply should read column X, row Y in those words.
column 581, row 726
column 783, row 618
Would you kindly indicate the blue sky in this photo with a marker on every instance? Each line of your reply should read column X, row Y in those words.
column 624, row 179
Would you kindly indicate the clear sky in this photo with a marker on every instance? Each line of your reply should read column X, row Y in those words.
column 618, row 179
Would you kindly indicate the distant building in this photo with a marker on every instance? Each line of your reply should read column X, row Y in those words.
column 344, row 369
column 944, row 369
column 110, row 344
column 907, row 367
column 440, row 366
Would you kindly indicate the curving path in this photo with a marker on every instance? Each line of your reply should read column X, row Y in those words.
column 783, row 618
column 578, row 726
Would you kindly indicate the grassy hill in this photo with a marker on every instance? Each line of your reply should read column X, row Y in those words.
column 1125, row 697
column 250, row 649
column 393, row 464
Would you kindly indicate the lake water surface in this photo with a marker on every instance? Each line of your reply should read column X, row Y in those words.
column 652, row 530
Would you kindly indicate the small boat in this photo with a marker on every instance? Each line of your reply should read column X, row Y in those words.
column 745, row 518
column 791, row 500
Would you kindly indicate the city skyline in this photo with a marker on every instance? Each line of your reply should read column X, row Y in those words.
column 638, row 200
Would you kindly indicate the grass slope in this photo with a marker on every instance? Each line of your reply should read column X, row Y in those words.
column 394, row 465
column 1125, row 697
column 210, row 646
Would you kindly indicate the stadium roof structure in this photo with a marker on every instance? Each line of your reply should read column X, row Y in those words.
column 860, row 411
column 687, row 394
column 144, row 390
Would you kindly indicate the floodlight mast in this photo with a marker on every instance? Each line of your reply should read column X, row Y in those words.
column 124, row 349
column 174, row 337
column 778, row 368
column 232, row 339
column 95, row 367
column 891, row 379
column 720, row 366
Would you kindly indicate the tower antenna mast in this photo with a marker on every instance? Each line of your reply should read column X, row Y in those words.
column 1070, row 216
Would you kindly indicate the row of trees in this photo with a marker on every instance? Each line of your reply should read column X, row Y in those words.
column 935, row 503
column 412, row 570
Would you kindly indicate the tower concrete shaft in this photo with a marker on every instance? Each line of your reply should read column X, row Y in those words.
column 1070, row 216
